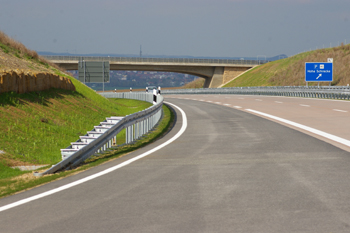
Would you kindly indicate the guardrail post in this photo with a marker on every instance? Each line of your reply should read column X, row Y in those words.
column 127, row 135
column 131, row 133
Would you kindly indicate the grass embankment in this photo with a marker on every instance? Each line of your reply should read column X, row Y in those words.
column 197, row 83
column 36, row 125
column 291, row 71
column 15, row 180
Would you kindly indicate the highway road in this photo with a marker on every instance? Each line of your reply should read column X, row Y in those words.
column 234, row 169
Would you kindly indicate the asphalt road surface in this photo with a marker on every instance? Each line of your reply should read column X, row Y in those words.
column 231, row 171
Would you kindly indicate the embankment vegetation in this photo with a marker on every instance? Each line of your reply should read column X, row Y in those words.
column 36, row 125
column 291, row 71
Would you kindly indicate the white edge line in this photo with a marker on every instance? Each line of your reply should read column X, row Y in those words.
column 307, row 128
column 91, row 177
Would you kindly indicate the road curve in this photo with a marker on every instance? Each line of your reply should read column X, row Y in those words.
column 231, row 171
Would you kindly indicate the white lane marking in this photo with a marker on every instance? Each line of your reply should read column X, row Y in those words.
column 201, row 100
column 209, row 101
column 218, row 102
column 338, row 110
column 304, row 105
column 227, row 104
column 278, row 102
column 241, row 98
column 258, row 99
column 237, row 106
column 307, row 128
column 75, row 183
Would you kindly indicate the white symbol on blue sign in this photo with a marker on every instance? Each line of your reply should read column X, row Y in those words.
column 318, row 72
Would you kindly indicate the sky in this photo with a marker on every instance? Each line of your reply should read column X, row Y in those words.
column 199, row 28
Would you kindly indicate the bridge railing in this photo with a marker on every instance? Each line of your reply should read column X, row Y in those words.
column 136, row 125
column 326, row 92
column 157, row 60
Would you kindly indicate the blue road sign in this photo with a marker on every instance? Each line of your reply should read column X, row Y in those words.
column 318, row 71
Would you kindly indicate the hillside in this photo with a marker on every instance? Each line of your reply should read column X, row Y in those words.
column 15, row 56
column 291, row 71
column 198, row 83
column 36, row 125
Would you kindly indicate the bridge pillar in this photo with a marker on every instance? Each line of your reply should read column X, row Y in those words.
column 217, row 78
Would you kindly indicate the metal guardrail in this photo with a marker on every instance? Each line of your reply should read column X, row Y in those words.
column 136, row 125
column 157, row 60
column 325, row 92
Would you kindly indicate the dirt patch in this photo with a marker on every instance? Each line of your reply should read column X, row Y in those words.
column 11, row 162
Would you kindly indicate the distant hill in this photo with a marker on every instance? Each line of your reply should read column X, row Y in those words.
column 291, row 71
column 161, row 56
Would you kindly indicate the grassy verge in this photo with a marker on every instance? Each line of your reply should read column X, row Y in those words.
column 13, row 180
column 198, row 83
column 35, row 126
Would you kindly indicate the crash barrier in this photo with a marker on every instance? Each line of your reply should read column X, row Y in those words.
column 324, row 92
column 103, row 137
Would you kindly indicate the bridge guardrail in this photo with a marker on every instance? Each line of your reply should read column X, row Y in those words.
column 136, row 124
column 157, row 60
column 326, row 92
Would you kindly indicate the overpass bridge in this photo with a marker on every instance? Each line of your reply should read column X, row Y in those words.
column 215, row 71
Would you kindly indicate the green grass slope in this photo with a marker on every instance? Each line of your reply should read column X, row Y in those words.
column 36, row 125
column 291, row 71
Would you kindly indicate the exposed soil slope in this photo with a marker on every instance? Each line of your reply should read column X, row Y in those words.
column 15, row 56
column 22, row 70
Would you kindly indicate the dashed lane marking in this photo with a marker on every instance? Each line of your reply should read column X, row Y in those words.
column 338, row 110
